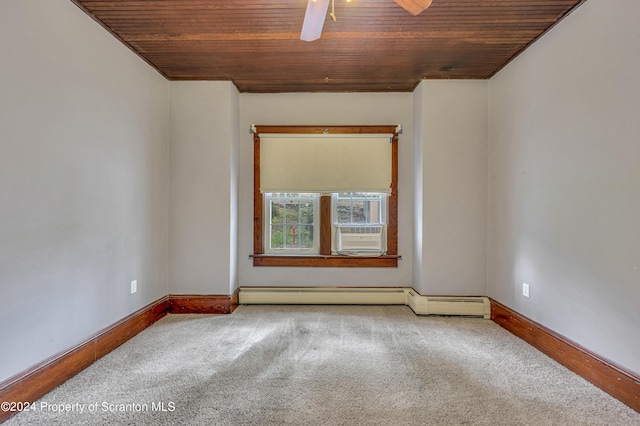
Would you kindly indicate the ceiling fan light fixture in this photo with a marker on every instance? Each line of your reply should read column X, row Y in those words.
column 316, row 13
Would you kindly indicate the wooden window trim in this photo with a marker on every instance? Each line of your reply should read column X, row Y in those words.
column 324, row 258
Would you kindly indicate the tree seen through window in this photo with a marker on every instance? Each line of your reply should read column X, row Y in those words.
column 292, row 218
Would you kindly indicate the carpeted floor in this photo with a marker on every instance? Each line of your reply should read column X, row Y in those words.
column 326, row 365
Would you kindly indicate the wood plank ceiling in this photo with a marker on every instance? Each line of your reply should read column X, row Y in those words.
column 374, row 46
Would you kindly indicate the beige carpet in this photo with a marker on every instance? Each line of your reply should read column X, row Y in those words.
column 326, row 365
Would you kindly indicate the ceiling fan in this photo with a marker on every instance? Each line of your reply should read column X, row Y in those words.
column 317, row 11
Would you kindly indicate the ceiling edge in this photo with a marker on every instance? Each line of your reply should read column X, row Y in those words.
column 106, row 27
column 567, row 13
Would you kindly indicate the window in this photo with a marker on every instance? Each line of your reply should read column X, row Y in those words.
column 292, row 223
column 359, row 224
column 359, row 208
column 325, row 196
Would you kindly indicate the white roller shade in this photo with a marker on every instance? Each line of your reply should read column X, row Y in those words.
column 325, row 163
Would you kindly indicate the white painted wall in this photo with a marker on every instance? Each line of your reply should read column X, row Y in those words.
column 451, row 204
column 234, row 189
column 336, row 109
column 203, row 175
column 564, row 190
column 83, row 188
column 418, row 176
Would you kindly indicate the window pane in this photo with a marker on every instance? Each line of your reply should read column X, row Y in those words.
column 306, row 212
column 291, row 236
column 306, row 236
column 292, row 211
column 277, row 211
column 343, row 210
column 292, row 219
column 359, row 208
column 373, row 210
column 358, row 212
column 277, row 237
column 299, row 236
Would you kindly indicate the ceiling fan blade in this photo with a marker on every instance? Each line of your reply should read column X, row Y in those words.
column 314, row 19
column 415, row 7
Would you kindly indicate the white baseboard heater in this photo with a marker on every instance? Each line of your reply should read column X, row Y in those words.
column 421, row 305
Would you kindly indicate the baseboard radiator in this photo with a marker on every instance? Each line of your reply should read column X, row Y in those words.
column 442, row 305
column 421, row 305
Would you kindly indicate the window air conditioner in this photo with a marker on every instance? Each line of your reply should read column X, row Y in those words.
column 360, row 240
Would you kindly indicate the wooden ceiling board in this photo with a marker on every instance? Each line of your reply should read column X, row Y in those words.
column 375, row 45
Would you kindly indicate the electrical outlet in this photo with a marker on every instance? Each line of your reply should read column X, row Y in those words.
column 525, row 289
column 134, row 286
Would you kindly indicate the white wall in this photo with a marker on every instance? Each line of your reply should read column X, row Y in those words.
column 418, row 176
column 203, row 175
column 565, row 180
column 320, row 109
column 83, row 198
column 451, row 204
column 234, row 190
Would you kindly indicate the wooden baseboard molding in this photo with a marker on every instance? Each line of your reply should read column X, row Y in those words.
column 203, row 304
column 40, row 379
column 618, row 382
column 50, row 373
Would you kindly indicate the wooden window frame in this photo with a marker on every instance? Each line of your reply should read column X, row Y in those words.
column 325, row 258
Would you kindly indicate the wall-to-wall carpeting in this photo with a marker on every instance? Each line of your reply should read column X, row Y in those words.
column 319, row 365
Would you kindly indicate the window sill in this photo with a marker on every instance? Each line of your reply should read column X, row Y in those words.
column 388, row 261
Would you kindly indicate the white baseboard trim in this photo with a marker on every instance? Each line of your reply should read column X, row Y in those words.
column 475, row 306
